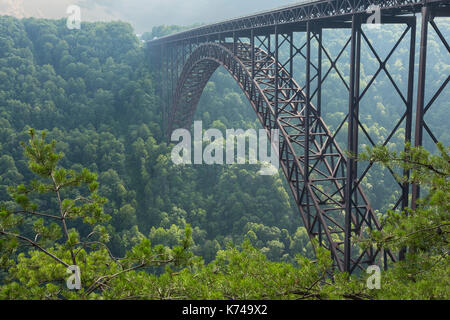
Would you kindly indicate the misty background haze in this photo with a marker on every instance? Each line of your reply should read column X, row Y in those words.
column 142, row 14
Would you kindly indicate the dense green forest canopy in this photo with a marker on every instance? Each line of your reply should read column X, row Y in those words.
column 92, row 91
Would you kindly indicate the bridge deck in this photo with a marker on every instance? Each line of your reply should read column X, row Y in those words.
column 319, row 10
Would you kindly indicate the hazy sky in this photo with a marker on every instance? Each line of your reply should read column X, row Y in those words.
column 142, row 14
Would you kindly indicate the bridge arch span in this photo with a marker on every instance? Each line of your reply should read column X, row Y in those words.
column 198, row 70
column 312, row 162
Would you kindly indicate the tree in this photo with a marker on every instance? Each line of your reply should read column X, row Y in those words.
column 37, row 247
column 425, row 271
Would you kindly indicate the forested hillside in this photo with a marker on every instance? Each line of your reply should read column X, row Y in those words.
column 92, row 91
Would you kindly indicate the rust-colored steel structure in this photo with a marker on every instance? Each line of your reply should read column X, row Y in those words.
column 325, row 182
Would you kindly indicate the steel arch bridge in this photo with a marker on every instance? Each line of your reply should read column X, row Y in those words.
column 325, row 182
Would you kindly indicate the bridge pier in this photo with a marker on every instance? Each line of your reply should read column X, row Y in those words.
column 352, row 139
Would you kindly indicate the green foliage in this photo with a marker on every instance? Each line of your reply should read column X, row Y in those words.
column 40, row 272
column 424, row 273
column 427, row 227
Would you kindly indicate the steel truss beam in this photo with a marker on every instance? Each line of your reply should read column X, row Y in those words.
column 327, row 11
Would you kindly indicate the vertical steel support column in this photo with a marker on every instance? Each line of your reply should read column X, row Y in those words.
column 352, row 136
column 291, row 54
column 409, row 115
column 418, row 141
column 166, row 86
column 183, row 52
column 307, row 115
column 319, row 72
column 171, row 74
column 355, row 133
column 277, row 71
column 319, row 95
column 234, row 43
column 252, row 45
column 176, row 63
column 162, row 85
column 308, row 101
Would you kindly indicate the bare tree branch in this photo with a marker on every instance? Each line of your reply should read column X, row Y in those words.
column 36, row 245
column 63, row 217
column 33, row 213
